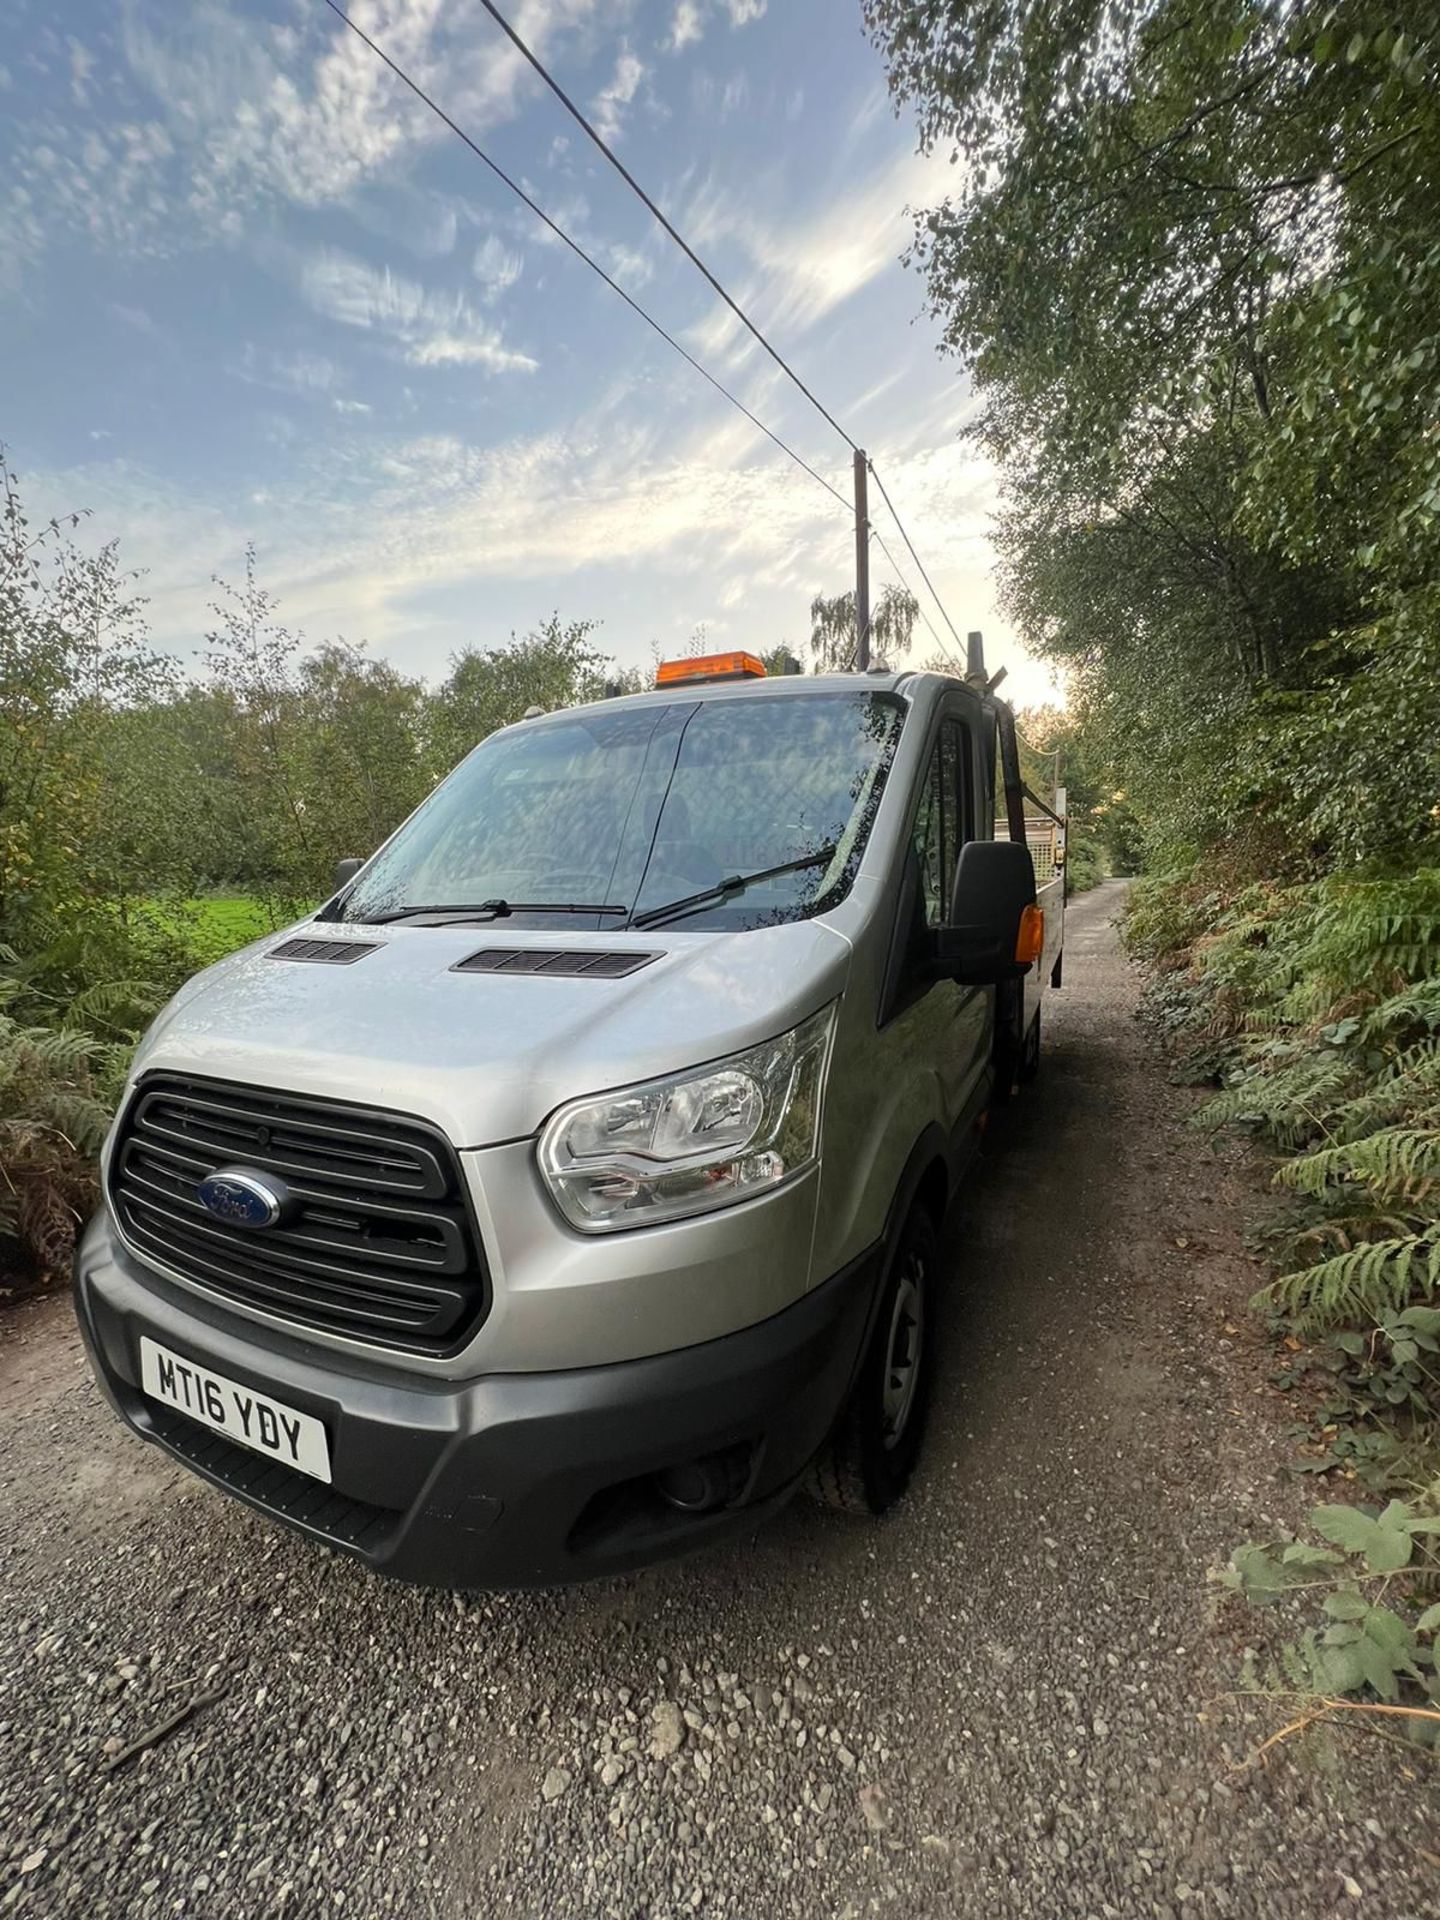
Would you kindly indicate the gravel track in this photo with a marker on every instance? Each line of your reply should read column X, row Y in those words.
column 1008, row 1699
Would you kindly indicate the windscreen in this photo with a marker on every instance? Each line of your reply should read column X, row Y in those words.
column 608, row 812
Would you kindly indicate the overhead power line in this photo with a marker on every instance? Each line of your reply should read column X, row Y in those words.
column 895, row 568
column 910, row 544
column 684, row 245
column 575, row 247
column 581, row 253
column 603, row 145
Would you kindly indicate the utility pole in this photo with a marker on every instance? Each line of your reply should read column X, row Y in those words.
column 862, row 563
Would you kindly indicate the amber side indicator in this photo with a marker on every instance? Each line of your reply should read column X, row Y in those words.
column 1030, row 941
column 710, row 666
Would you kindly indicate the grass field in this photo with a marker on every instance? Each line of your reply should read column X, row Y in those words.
column 212, row 925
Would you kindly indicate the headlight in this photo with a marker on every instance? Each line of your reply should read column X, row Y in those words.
column 693, row 1141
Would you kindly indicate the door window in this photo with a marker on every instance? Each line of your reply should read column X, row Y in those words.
column 943, row 820
column 930, row 843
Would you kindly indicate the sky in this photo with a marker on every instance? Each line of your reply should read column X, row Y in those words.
column 252, row 291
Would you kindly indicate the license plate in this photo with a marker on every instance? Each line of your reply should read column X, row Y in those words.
column 248, row 1418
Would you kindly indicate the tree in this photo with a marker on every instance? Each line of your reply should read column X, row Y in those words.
column 554, row 665
column 1060, row 749
column 251, row 660
column 1193, row 263
column 75, row 670
column 359, row 761
column 833, row 635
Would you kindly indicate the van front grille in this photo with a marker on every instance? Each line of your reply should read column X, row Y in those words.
column 374, row 1240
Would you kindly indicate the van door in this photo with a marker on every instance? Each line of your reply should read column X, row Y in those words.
column 944, row 1025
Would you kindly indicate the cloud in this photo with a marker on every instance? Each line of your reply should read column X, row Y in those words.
column 610, row 102
column 432, row 329
column 803, row 269
column 424, row 222
column 214, row 114
column 407, row 540
column 687, row 26
column 300, row 372
column 137, row 317
column 98, row 182
column 691, row 17
column 629, row 265
column 82, row 65
column 497, row 267
column 350, row 406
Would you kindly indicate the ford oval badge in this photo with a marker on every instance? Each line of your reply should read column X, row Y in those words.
column 241, row 1198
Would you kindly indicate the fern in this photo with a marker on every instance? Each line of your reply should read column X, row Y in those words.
column 1366, row 933
column 1339, row 1232
column 1409, row 1088
column 1414, row 1008
column 1397, row 1162
column 60, row 1050
column 1357, row 1286
column 77, row 1118
column 54, row 1111
column 121, row 1006
column 1326, row 999
column 1289, row 1105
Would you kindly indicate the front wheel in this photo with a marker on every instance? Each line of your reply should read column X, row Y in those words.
column 866, row 1464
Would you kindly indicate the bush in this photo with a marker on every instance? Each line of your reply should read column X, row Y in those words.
column 57, row 1086
column 1317, row 1007
column 1324, row 1000
column 1084, row 866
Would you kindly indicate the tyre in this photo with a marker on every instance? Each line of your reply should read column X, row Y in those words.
column 866, row 1464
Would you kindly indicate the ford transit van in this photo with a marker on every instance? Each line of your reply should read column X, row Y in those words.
column 567, row 1190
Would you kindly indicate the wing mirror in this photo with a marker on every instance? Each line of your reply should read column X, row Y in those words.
column 345, row 872
column 996, row 929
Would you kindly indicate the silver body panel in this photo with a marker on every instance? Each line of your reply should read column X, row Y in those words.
column 486, row 1058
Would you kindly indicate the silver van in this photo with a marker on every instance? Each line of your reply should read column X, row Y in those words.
column 566, row 1191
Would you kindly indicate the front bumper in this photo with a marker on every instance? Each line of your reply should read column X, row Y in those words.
column 511, row 1480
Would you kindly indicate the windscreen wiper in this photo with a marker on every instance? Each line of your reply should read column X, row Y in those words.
column 484, row 910
column 735, row 883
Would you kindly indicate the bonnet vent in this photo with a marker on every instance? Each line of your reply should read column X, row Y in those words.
column 573, row 962
column 331, row 953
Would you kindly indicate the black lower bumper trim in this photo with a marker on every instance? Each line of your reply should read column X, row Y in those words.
column 279, row 1490
column 510, row 1480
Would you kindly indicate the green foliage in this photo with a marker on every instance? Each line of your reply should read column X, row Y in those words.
column 1058, row 749
column 557, row 665
column 55, row 1089
column 1084, row 866
column 1394, row 1366
column 150, row 823
column 1192, row 263
column 832, row 629
column 1283, row 1103
column 1378, row 1635
column 72, row 658
column 1316, row 1004
column 1364, row 1280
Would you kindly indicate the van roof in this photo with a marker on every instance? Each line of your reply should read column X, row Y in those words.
column 771, row 687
